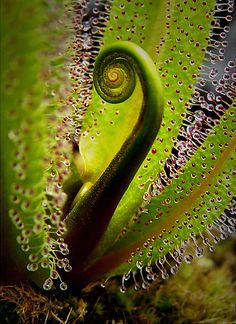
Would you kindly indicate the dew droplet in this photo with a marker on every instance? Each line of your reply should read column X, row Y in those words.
column 33, row 257
column 60, row 264
column 188, row 258
column 199, row 252
column 63, row 286
column 67, row 267
column 44, row 264
column 123, row 289
column 54, row 274
column 48, row 284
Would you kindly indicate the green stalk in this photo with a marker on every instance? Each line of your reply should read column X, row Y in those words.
column 97, row 202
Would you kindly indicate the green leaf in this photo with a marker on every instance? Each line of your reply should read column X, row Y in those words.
column 178, row 59
column 33, row 156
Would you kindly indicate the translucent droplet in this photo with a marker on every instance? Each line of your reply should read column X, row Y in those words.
column 54, row 274
column 63, row 286
column 38, row 217
column 231, row 229
column 126, row 276
column 26, row 232
column 222, row 228
column 55, row 219
column 161, row 260
column 33, row 257
column 188, row 258
column 65, row 252
column 19, row 224
column 45, row 251
column 53, row 246
column 34, row 267
column 211, row 249
column 44, row 264
column 216, row 239
column 65, row 260
column 15, row 199
column 123, row 289
column 25, row 247
column 48, row 284
column 67, row 267
column 174, row 270
column 137, row 287
column 206, row 241
column 164, row 275
column 21, row 239
column 37, row 228
column 29, row 267
column 224, row 236
column 199, row 252
column 63, row 246
column 139, row 264
column 60, row 264
column 145, row 285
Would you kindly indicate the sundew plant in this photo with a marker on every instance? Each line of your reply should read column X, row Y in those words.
column 117, row 138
